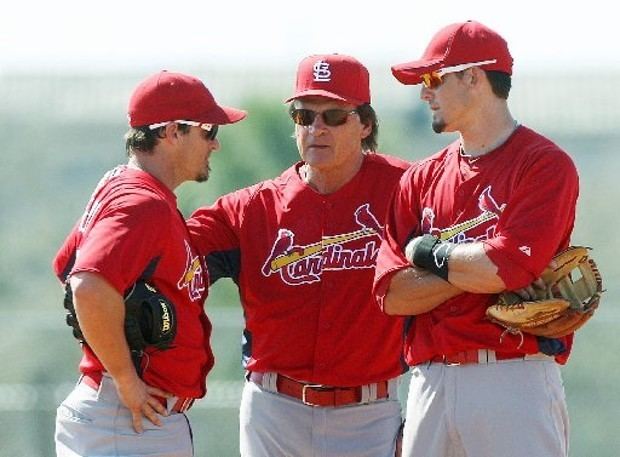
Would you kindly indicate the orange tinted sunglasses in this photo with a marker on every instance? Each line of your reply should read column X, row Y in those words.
column 434, row 79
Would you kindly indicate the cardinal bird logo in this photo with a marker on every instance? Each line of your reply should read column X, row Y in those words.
column 490, row 211
column 193, row 278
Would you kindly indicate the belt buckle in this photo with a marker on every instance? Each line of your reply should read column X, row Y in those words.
column 450, row 363
column 462, row 358
column 317, row 387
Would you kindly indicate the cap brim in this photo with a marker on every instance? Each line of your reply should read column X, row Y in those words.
column 323, row 93
column 222, row 115
column 411, row 72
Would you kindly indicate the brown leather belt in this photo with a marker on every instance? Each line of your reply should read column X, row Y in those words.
column 93, row 380
column 320, row 395
column 482, row 356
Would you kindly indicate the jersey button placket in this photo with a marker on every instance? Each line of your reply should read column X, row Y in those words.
column 322, row 348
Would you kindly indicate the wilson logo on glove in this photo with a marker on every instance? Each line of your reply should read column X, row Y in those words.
column 166, row 317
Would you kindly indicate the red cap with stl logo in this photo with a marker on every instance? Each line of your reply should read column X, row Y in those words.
column 335, row 76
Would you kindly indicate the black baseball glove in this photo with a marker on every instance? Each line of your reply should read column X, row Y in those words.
column 150, row 318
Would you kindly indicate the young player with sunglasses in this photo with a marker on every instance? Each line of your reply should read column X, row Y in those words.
column 483, row 215
column 322, row 360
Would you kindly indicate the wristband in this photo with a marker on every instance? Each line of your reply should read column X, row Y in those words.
column 432, row 254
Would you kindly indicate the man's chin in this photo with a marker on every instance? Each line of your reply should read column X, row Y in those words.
column 204, row 176
column 438, row 126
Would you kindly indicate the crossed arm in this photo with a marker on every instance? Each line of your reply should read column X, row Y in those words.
column 414, row 290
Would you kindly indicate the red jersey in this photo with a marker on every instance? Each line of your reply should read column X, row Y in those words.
column 519, row 200
column 132, row 230
column 304, row 263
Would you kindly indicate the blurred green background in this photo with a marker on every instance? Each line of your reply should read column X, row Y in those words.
column 60, row 133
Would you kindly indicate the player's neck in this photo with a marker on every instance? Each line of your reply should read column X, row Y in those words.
column 488, row 133
column 151, row 165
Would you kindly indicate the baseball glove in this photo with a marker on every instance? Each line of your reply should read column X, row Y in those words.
column 572, row 293
column 150, row 318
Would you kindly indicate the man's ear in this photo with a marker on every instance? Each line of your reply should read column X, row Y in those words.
column 367, row 130
column 477, row 76
column 170, row 132
column 172, row 128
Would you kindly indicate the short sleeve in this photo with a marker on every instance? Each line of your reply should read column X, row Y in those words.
column 124, row 239
column 537, row 221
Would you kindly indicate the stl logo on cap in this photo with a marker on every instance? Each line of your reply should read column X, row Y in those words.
column 322, row 72
column 334, row 76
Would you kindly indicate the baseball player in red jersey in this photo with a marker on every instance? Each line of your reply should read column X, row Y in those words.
column 322, row 360
column 131, row 230
column 483, row 215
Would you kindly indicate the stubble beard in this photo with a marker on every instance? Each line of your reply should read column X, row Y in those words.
column 204, row 176
column 439, row 125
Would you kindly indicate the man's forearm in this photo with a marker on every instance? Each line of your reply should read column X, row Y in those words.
column 470, row 269
column 464, row 265
column 415, row 291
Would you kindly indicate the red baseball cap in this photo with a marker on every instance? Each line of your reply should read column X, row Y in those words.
column 458, row 44
column 334, row 76
column 168, row 96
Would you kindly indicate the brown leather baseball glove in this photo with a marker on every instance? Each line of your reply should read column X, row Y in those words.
column 572, row 293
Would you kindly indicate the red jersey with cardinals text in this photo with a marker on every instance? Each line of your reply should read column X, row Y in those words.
column 131, row 229
column 304, row 263
column 519, row 200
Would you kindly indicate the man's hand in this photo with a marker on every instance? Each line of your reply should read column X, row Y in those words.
column 141, row 400
column 411, row 247
column 529, row 292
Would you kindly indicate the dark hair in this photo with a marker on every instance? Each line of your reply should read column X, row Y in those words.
column 500, row 83
column 369, row 117
column 144, row 139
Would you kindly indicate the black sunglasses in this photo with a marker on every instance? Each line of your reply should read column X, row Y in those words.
column 331, row 117
column 212, row 133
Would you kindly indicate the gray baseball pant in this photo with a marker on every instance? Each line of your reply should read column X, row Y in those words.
column 510, row 408
column 95, row 423
column 274, row 425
